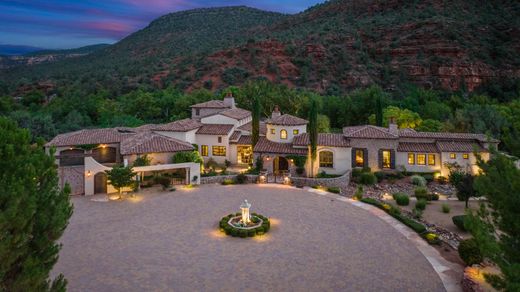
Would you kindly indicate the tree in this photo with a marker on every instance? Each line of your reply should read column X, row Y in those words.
column 323, row 124
column 462, row 181
column 187, row 156
column 256, row 121
column 496, row 226
column 379, row 111
column 34, row 213
column 121, row 177
column 313, row 132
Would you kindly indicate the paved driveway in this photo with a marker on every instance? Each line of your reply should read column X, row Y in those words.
column 169, row 241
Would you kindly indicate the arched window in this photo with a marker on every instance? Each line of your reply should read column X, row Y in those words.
column 283, row 134
column 326, row 159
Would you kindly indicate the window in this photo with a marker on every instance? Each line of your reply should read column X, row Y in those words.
column 465, row 156
column 387, row 159
column 326, row 159
column 220, row 139
column 273, row 131
column 219, row 150
column 197, row 112
column 360, row 158
column 411, row 158
column 204, row 150
column 245, row 154
column 295, row 132
column 453, row 156
column 431, row 159
column 283, row 134
column 421, row 159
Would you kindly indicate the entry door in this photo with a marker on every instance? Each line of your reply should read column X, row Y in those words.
column 100, row 183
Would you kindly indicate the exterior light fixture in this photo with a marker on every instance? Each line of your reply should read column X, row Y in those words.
column 246, row 218
column 89, row 173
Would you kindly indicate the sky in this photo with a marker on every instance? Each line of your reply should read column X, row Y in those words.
column 59, row 24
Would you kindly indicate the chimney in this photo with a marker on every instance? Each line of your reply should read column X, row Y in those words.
column 276, row 112
column 392, row 126
column 229, row 100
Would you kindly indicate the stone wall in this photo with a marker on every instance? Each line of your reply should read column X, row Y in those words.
column 340, row 182
column 220, row 178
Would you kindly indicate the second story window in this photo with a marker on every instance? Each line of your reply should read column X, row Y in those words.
column 421, row 159
column 283, row 134
column 296, row 132
column 219, row 151
column 273, row 131
column 431, row 159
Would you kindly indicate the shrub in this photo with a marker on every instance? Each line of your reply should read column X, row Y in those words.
column 459, row 221
column 445, row 208
column 356, row 172
column 164, row 181
column 433, row 197
column 380, row 175
column 428, row 177
column 421, row 204
column 402, row 199
column 442, row 179
column 421, row 193
column 228, row 181
column 416, row 226
column 418, row 180
column 469, row 252
column 334, row 190
column 432, row 238
column 367, row 178
column 416, row 213
column 241, row 178
column 242, row 233
column 358, row 195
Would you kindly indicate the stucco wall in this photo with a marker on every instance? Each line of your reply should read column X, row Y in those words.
column 219, row 119
column 373, row 146
column 188, row 136
column 402, row 161
column 204, row 112
column 341, row 157
column 210, row 141
column 469, row 164
column 290, row 136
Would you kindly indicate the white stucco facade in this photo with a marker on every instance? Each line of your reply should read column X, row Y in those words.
column 274, row 132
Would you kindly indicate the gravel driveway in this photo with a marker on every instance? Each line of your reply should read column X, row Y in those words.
column 169, row 241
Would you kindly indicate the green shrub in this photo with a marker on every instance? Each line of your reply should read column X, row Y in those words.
column 372, row 202
column 420, row 204
column 367, row 178
column 358, row 195
column 380, row 175
column 459, row 221
column 356, row 172
column 469, row 252
column 418, row 180
column 228, row 181
column 242, row 233
column 416, row 226
column 241, row 178
column 442, row 179
column 416, row 213
column 401, row 199
column 251, row 232
column 234, row 232
column 433, row 197
column 334, row 190
column 421, row 193
column 432, row 238
column 428, row 177
column 445, row 208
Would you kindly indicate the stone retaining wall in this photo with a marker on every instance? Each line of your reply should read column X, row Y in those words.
column 341, row 182
column 218, row 179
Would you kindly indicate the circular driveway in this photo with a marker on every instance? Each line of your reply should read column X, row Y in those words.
column 169, row 241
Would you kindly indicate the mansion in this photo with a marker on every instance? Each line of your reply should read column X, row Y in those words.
column 221, row 132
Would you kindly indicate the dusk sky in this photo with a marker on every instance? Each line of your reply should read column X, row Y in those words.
column 75, row 23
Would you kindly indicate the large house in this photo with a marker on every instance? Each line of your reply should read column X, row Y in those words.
column 222, row 132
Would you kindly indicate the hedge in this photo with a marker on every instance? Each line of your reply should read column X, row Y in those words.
column 459, row 221
column 243, row 233
column 416, row 226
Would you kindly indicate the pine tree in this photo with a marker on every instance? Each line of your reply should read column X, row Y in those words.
column 313, row 132
column 256, row 121
column 34, row 213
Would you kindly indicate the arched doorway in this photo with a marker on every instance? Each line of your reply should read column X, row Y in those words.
column 100, row 183
column 280, row 164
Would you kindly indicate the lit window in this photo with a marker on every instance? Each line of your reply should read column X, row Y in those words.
column 204, row 150
column 273, row 131
column 431, row 159
column 220, row 139
column 465, row 156
column 421, row 159
column 283, row 134
column 411, row 158
column 360, row 159
column 219, row 150
column 453, row 156
column 296, row 132
column 387, row 159
column 326, row 159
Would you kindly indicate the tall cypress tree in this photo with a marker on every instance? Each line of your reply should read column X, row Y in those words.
column 313, row 132
column 379, row 110
column 256, row 121
column 33, row 213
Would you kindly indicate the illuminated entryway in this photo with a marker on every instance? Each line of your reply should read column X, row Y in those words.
column 245, row 154
column 280, row 165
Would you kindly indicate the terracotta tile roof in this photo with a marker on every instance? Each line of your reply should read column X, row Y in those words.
column 91, row 136
column 266, row 146
column 417, row 147
column 410, row 133
column 249, row 127
column 178, row 126
column 215, row 129
column 236, row 113
column 459, row 146
column 235, row 136
column 149, row 142
column 287, row 120
column 324, row 139
column 368, row 132
column 245, row 140
column 210, row 104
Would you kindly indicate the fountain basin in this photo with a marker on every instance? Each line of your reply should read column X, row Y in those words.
column 232, row 225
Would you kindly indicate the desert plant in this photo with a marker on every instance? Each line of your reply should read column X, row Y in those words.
column 469, row 252
column 445, row 208
column 367, row 178
column 358, row 195
column 418, row 180
column 421, row 193
column 417, row 213
column 420, row 204
column 402, row 199
column 334, row 190
column 459, row 221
